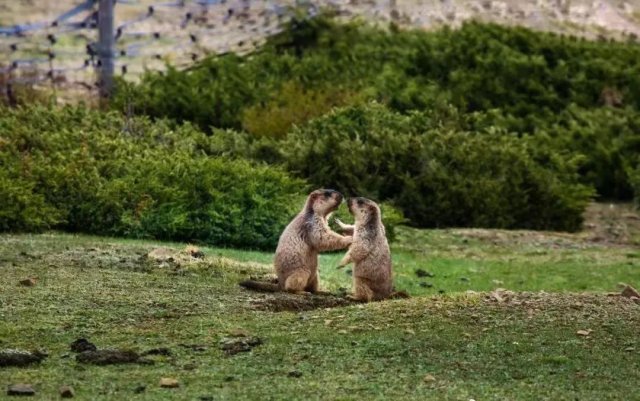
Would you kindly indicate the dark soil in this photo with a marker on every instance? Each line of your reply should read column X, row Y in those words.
column 82, row 345
column 282, row 302
column 111, row 357
column 158, row 351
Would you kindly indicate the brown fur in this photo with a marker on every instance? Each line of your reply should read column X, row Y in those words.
column 308, row 234
column 372, row 275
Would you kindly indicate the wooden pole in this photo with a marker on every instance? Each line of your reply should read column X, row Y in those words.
column 106, row 40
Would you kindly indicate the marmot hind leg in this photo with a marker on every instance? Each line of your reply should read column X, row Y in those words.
column 361, row 291
column 297, row 282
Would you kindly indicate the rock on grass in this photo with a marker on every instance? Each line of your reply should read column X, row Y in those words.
column 21, row 390
column 630, row 292
column 169, row 382
column 66, row 392
column 82, row 345
column 235, row 346
column 423, row 273
column 28, row 282
column 17, row 357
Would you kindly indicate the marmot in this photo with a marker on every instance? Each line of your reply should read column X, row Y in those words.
column 296, row 258
column 372, row 276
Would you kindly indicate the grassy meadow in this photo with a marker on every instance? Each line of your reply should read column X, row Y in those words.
column 458, row 337
column 491, row 149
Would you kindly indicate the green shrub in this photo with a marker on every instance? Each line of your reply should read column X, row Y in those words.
column 539, row 83
column 81, row 170
column 634, row 175
column 22, row 208
column 438, row 174
column 292, row 105
column 608, row 138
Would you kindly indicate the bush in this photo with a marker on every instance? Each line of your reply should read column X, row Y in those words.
column 80, row 170
column 438, row 174
column 291, row 105
column 540, row 83
column 634, row 175
column 608, row 138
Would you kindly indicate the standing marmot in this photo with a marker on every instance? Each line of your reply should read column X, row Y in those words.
column 296, row 259
column 372, row 276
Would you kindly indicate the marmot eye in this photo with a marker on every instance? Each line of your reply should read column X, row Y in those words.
column 360, row 202
column 327, row 194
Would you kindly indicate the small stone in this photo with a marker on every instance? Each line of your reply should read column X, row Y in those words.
column 21, row 389
column 295, row 373
column 66, row 392
column 82, row 345
column 429, row 378
column 583, row 332
column 424, row 273
column 630, row 292
column 169, row 382
column 140, row 389
column 630, row 349
column 194, row 251
column 28, row 282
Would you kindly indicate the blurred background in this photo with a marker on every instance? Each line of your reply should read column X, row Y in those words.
column 492, row 114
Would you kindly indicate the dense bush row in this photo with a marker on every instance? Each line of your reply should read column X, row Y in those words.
column 81, row 170
column 438, row 173
column 482, row 126
column 562, row 89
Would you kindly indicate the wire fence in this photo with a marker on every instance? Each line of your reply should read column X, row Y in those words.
column 64, row 52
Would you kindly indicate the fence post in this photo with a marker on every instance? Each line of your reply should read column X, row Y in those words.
column 106, row 41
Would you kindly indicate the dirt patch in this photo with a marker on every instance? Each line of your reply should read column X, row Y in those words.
column 20, row 358
column 157, row 351
column 149, row 259
column 545, row 300
column 612, row 223
column 111, row 357
column 283, row 302
column 605, row 224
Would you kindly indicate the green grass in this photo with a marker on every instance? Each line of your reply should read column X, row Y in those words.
column 472, row 346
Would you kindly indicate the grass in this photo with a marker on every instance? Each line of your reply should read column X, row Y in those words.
column 457, row 345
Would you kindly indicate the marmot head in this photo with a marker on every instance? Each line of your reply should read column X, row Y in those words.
column 364, row 210
column 324, row 201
